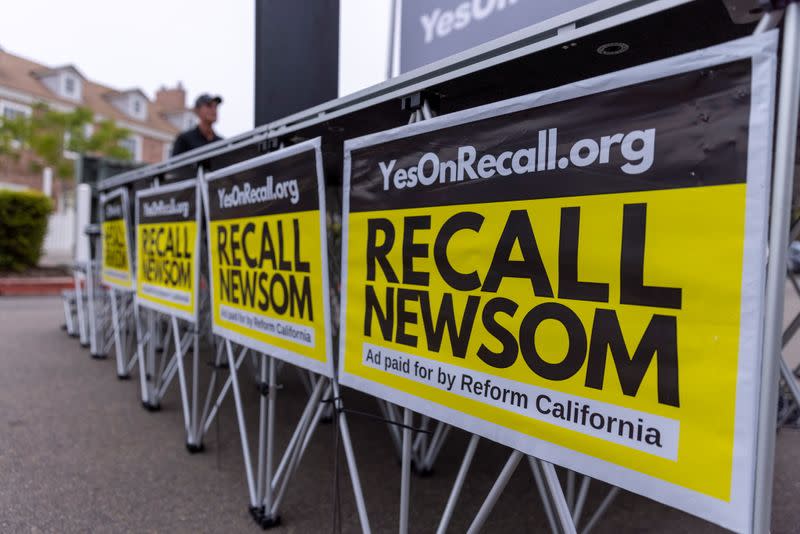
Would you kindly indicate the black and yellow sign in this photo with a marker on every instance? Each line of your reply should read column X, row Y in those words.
column 116, row 268
column 576, row 273
column 167, row 248
column 268, row 256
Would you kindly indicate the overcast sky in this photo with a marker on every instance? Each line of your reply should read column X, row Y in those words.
column 208, row 45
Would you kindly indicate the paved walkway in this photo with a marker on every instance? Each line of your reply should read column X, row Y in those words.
column 79, row 454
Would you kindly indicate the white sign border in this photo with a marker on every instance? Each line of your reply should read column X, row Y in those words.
column 105, row 197
column 316, row 366
column 192, row 317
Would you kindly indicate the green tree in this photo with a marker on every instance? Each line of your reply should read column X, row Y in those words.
column 48, row 134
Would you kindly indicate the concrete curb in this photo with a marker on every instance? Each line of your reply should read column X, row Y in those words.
column 21, row 286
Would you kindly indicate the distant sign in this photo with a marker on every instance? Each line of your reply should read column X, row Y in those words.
column 116, row 269
column 167, row 245
column 432, row 30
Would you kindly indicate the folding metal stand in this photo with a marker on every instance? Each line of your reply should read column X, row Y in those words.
column 267, row 488
column 124, row 331
column 785, row 150
column 563, row 510
column 101, row 335
column 69, row 302
column 79, row 275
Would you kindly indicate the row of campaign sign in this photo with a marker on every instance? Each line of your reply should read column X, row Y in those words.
column 576, row 273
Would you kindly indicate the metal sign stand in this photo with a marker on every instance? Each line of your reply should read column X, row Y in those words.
column 267, row 488
column 563, row 510
column 81, row 301
column 124, row 327
column 785, row 147
column 91, row 301
column 155, row 382
column 156, row 373
column 266, row 484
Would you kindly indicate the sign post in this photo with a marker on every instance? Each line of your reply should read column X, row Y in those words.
column 531, row 271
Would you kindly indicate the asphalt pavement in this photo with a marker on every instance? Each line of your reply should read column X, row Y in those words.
column 79, row 454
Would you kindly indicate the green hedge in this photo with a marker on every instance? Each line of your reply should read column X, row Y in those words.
column 23, row 225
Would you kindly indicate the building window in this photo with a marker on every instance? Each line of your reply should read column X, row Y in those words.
column 134, row 146
column 137, row 107
column 11, row 113
column 69, row 86
column 11, row 110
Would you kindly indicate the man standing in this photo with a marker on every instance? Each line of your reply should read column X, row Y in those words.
column 205, row 107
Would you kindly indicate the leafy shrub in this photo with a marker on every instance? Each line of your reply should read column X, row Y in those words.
column 23, row 225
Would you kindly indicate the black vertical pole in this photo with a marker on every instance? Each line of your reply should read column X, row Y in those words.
column 297, row 56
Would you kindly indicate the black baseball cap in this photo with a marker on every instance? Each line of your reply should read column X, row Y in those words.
column 206, row 98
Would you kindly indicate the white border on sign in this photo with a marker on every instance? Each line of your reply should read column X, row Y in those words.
column 157, row 190
column 316, row 366
column 738, row 512
column 105, row 197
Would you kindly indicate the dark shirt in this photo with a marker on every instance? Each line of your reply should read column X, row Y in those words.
column 191, row 139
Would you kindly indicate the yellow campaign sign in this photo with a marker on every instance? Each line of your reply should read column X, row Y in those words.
column 268, row 256
column 115, row 241
column 167, row 248
column 576, row 274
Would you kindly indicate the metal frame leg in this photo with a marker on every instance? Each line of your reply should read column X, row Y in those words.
column 436, row 444
column 601, row 510
column 181, row 377
column 267, row 412
column 579, row 504
column 83, row 327
column 201, row 424
column 390, row 415
column 69, row 319
column 295, row 454
column 152, row 328
column 116, row 326
column 262, row 432
column 405, row 473
column 195, row 442
column 352, row 466
column 455, row 493
column 237, row 397
column 141, row 340
column 785, row 147
column 542, row 489
column 494, row 493
column 223, row 392
column 560, row 505
column 90, row 304
column 297, row 435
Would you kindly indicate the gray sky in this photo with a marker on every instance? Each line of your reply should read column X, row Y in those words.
column 206, row 44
